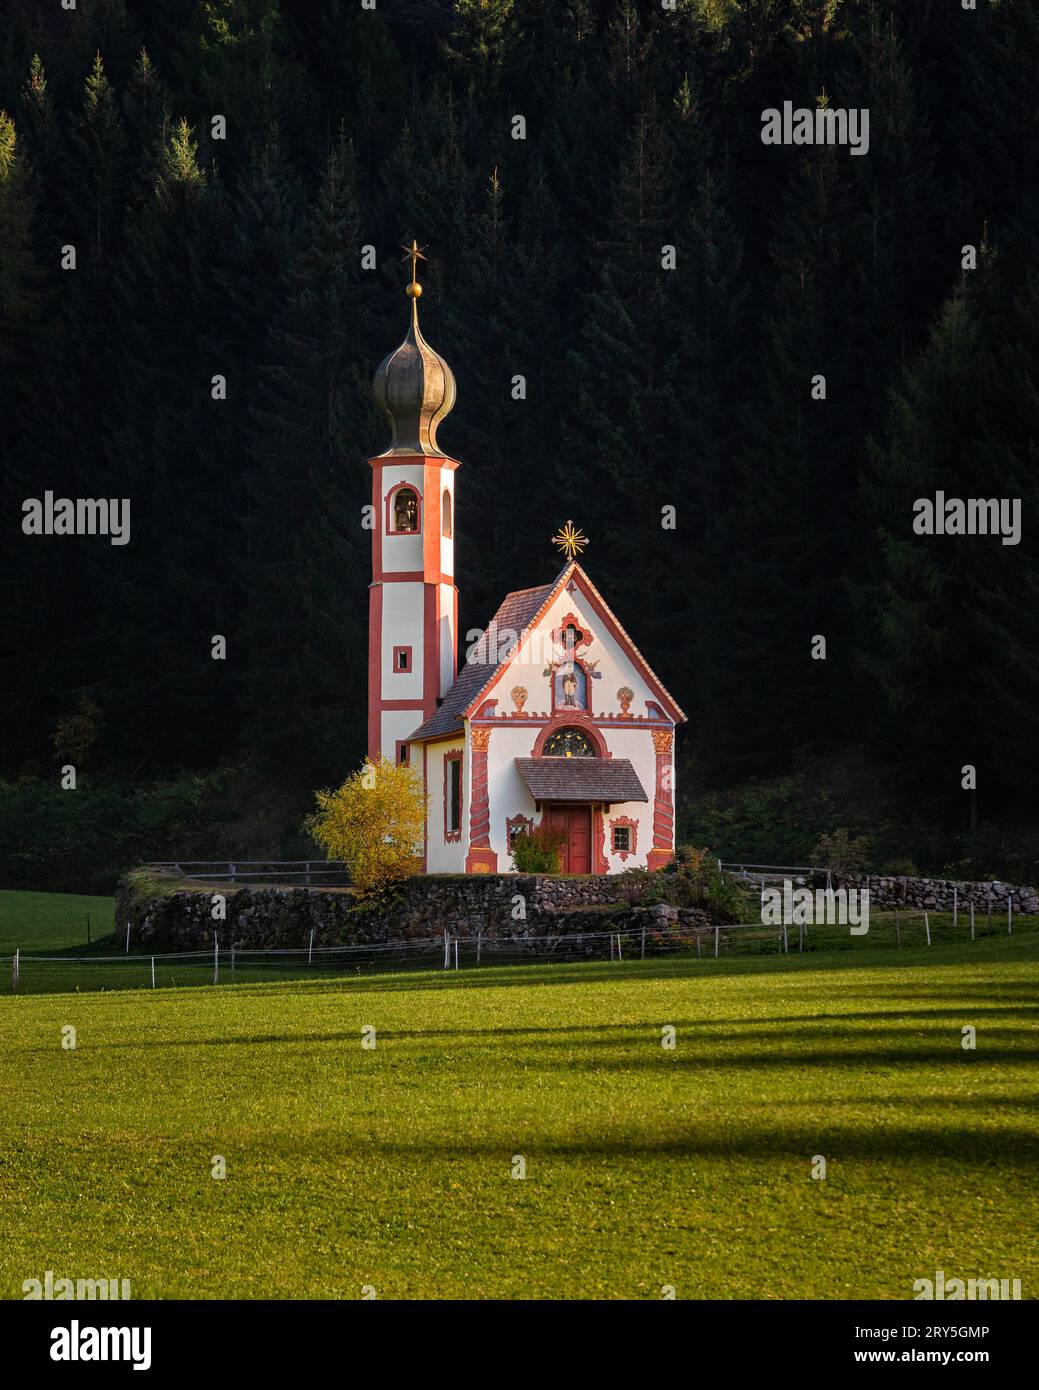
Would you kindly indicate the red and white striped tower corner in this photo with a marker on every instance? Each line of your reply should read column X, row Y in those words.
column 413, row 602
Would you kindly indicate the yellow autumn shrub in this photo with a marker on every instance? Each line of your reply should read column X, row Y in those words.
column 374, row 823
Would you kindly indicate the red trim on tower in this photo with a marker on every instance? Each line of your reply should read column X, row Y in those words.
column 374, row 668
column 430, row 678
column 415, row 576
column 395, row 460
column 431, row 538
column 377, row 531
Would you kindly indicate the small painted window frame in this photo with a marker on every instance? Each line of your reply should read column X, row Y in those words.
column 629, row 824
column 453, row 837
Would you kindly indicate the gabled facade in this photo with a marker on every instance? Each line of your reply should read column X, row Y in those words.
column 556, row 715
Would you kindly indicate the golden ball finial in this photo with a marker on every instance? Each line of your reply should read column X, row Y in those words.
column 413, row 253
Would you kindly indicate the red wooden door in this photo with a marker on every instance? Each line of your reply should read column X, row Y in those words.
column 576, row 824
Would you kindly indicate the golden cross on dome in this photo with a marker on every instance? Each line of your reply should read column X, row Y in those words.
column 570, row 539
column 413, row 253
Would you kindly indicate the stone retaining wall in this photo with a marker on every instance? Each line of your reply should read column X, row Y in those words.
column 936, row 894
column 498, row 907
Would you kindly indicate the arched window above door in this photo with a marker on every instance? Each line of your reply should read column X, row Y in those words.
column 568, row 743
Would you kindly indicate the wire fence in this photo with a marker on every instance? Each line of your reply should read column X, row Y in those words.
column 30, row 973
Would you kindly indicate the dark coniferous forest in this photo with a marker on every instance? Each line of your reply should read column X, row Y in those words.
column 646, row 388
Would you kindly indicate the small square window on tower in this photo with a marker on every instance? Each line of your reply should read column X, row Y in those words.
column 402, row 659
column 403, row 753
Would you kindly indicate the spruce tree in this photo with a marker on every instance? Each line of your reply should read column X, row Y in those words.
column 307, row 563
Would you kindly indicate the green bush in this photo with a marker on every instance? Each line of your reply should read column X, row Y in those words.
column 841, row 852
column 693, row 880
column 538, row 852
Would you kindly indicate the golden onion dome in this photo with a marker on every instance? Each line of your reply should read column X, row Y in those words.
column 414, row 387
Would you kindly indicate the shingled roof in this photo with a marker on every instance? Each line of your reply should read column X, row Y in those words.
column 516, row 612
column 581, row 779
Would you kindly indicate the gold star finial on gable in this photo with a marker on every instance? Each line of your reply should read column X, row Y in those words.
column 570, row 540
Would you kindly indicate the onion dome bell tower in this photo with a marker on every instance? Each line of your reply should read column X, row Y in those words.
column 413, row 602
column 415, row 389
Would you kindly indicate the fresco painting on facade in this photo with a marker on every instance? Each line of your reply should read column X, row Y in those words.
column 524, row 733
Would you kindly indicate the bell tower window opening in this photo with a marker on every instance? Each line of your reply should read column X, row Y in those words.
column 404, row 511
column 447, row 520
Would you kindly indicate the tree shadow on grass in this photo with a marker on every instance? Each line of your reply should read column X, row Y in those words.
column 1014, row 1148
column 638, row 1043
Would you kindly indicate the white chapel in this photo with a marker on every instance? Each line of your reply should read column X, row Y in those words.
column 556, row 715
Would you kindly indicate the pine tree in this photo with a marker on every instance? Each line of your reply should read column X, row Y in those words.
column 21, row 359
column 171, row 444
column 306, row 566
column 146, row 116
column 948, row 632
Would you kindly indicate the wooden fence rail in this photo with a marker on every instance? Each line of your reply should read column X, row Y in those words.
column 273, row 870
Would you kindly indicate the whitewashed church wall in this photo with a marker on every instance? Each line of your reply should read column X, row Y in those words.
column 396, row 724
column 507, row 792
column 640, row 812
column 402, row 626
column 446, row 638
column 444, row 857
column 402, row 552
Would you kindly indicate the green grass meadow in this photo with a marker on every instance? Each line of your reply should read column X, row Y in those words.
column 645, row 1166
column 46, row 922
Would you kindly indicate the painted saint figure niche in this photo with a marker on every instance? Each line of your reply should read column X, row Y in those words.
column 571, row 686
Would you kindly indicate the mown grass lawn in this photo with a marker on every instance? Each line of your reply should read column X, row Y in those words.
column 43, row 922
column 645, row 1166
